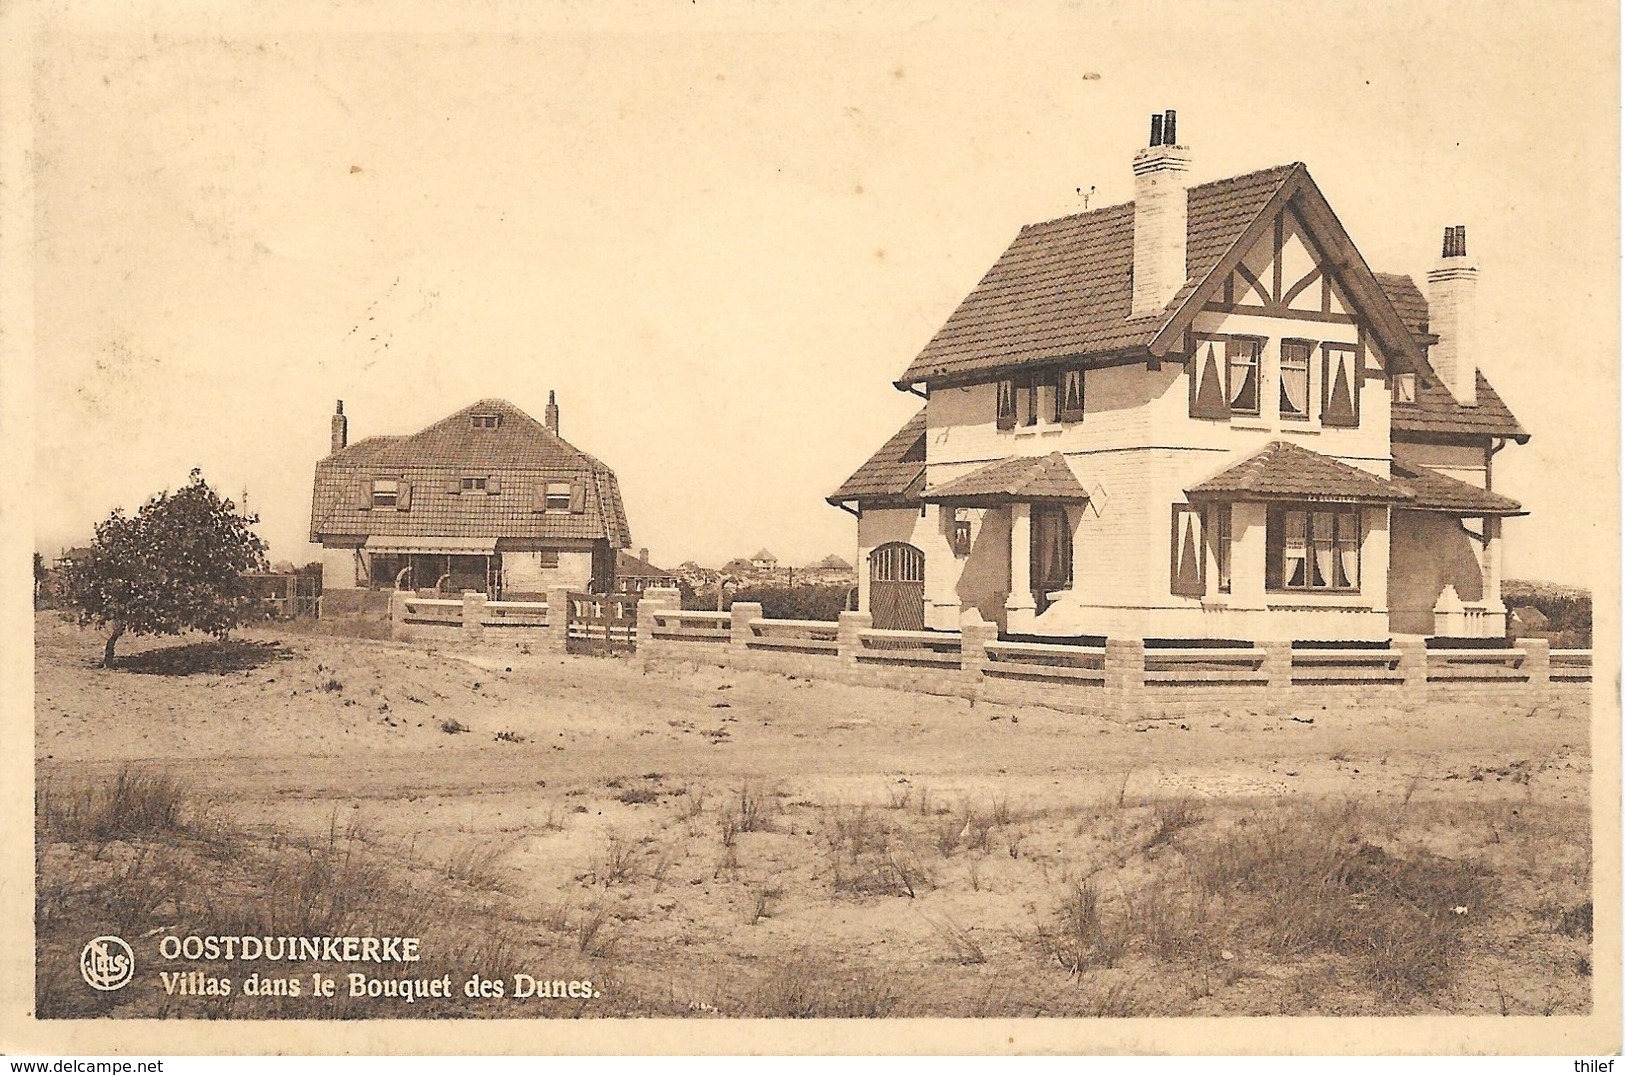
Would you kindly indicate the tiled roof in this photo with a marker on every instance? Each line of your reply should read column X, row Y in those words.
column 628, row 566
column 763, row 554
column 1062, row 288
column 893, row 475
column 1437, row 414
column 1439, row 492
column 1286, row 471
column 1409, row 302
column 1020, row 477
column 1436, row 411
column 521, row 453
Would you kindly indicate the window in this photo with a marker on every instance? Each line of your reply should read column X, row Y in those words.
column 1051, row 552
column 485, row 421
column 1340, row 385
column 959, row 535
column 1295, row 379
column 1404, row 388
column 1218, row 533
column 1069, row 396
column 1313, row 549
column 472, row 485
column 1006, row 413
column 1241, row 355
column 547, row 558
column 558, row 496
column 1187, row 559
column 385, row 492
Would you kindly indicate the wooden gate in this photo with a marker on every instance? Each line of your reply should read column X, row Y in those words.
column 602, row 624
column 897, row 587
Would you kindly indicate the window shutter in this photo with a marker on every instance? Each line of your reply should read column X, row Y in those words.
column 454, row 487
column 363, row 494
column 1187, row 576
column 493, row 486
column 578, row 498
column 1207, row 384
column 1006, row 405
column 1069, row 396
column 538, row 496
column 403, row 499
column 1339, row 393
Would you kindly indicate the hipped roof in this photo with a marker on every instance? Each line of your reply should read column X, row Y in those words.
column 1022, row 478
column 1282, row 470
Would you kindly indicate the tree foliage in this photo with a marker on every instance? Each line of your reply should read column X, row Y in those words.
column 176, row 565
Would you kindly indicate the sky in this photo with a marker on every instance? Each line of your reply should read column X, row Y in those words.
column 719, row 233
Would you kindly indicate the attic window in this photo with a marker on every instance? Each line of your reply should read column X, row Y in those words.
column 558, row 496
column 485, row 421
column 473, row 485
column 385, row 492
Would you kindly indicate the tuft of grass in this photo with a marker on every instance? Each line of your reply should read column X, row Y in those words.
column 805, row 987
column 1172, row 817
column 477, row 863
column 137, row 803
column 453, row 727
column 966, row 948
column 618, row 862
column 1077, row 935
column 637, row 796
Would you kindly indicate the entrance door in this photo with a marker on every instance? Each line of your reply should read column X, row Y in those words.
column 897, row 587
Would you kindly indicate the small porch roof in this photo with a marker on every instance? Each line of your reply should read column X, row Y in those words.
column 1449, row 496
column 456, row 546
column 1282, row 470
column 1024, row 478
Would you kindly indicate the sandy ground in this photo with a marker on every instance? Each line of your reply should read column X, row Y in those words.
column 563, row 756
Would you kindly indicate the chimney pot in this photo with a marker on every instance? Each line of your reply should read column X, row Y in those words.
column 1168, row 119
column 550, row 417
column 1156, row 130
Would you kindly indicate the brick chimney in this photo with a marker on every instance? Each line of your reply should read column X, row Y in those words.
column 1453, row 317
column 341, row 428
column 643, row 554
column 550, row 417
column 1161, row 177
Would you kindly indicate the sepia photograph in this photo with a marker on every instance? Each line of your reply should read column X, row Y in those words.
column 804, row 529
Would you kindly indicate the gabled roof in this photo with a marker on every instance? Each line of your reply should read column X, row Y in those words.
column 1019, row 478
column 1436, row 415
column 763, row 554
column 520, row 452
column 1286, row 471
column 1440, row 492
column 1063, row 289
column 893, row 475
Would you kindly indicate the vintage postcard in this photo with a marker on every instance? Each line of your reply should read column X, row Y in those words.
column 776, row 528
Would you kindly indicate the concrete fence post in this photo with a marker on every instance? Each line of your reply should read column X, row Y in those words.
column 558, row 620
column 1413, row 670
column 848, row 642
column 655, row 599
column 1277, row 669
column 973, row 640
column 1124, row 676
column 397, row 614
column 1537, row 664
column 473, row 615
column 744, row 613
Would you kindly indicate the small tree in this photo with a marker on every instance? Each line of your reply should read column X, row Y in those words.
column 176, row 566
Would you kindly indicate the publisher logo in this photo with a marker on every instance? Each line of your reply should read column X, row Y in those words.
column 107, row 964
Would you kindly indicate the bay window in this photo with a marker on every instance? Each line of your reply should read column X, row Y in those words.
column 1313, row 548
